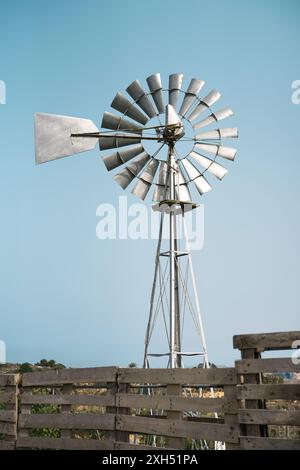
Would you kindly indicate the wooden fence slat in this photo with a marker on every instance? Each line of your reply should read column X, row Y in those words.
column 64, row 443
column 69, row 376
column 290, row 417
column 269, row 391
column 8, row 428
column 7, row 445
column 65, row 399
column 175, row 428
column 252, row 366
column 9, row 379
column 68, row 421
column 195, row 376
column 8, row 416
column 169, row 402
column 7, row 397
column 264, row 443
column 266, row 341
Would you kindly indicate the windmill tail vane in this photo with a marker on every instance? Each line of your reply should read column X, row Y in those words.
column 157, row 139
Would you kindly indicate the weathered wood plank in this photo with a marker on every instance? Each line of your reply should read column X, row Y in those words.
column 9, row 379
column 269, row 391
column 252, row 366
column 266, row 341
column 7, row 445
column 8, row 416
column 7, row 397
column 195, row 376
column 68, row 421
column 176, row 428
column 290, row 417
column 252, row 429
column 64, row 443
column 230, row 416
column 9, row 429
column 67, row 376
column 65, row 399
column 264, row 443
column 169, row 402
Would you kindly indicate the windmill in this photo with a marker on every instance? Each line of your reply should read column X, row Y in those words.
column 156, row 139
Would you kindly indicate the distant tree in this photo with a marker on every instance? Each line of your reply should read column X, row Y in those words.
column 51, row 363
column 43, row 363
column 25, row 367
column 132, row 364
column 211, row 364
column 272, row 379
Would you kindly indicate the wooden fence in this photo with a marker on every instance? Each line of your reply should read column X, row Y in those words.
column 115, row 408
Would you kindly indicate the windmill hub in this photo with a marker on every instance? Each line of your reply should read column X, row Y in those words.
column 173, row 133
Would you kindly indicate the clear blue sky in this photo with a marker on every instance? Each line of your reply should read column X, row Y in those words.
column 65, row 294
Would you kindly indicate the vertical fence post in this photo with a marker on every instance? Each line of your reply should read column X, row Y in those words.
column 230, row 413
column 66, row 390
column 254, row 430
column 9, row 416
column 174, row 442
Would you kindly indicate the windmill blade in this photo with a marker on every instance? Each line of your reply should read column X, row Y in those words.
column 181, row 189
column 190, row 95
column 135, row 90
column 124, row 106
column 217, row 170
column 118, row 123
column 118, row 158
column 128, row 174
column 218, row 116
column 212, row 97
column 201, row 183
column 53, row 136
column 175, row 82
column 107, row 143
column 218, row 150
column 216, row 134
column 143, row 186
column 155, row 87
column 124, row 178
column 161, row 188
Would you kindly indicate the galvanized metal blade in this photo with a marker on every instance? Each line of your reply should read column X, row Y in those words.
column 155, row 87
column 124, row 106
column 53, row 136
column 181, row 189
column 212, row 97
column 118, row 158
column 216, row 134
column 137, row 93
column 128, row 174
column 111, row 121
column 201, row 183
column 215, row 168
column 218, row 150
column 190, row 95
column 143, row 186
column 218, row 116
column 175, row 83
column 161, row 188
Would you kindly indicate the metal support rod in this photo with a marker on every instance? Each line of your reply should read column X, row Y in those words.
column 173, row 329
column 202, row 335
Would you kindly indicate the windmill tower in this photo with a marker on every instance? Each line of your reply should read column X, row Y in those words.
column 184, row 156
